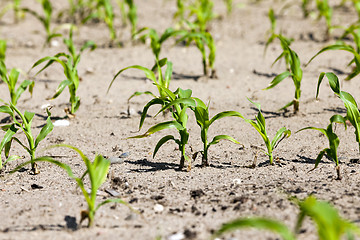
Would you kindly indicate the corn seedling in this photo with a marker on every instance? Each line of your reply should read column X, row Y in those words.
column 96, row 172
column 69, row 62
column 334, row 141
column 203, row 120
column 305, row 7
column 330, row 226
column 325, row 11
column 260, row 126
column 203, row 12
column 45, row 19
column 132, row 16
column 353, row 30
column 177, row 102
column 295, row 72
column 161, row 81
column 156, row 41
column 105, row 12
column 15, row 6
column 25, row 125
column 11, row 78
column 202, row 39
column 229, row 6
column 352, row 113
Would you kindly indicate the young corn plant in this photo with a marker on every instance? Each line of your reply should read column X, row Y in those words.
column 260, row 126
column 325, row 11
column 11, row 78
column 177, row 102
column 96, row 171
column 203, row 120
column 45, row 19
column 24, row 124
column 352, row 111
column 295, row 72
column 156, row 41
column 105, row 12
column 132, row 16
column 161, row 81
column 202, row 40
column 69, row 62
column 330, row 226
column 354, row 31
column 331, row 151
column 12, row 5
column 203, row 12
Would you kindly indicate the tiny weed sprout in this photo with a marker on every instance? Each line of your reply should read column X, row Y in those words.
column 96, row 172
column 334, row 141
column 260, row 126
column 203, row 120
column 25, row 125
column 45, row 20
column 69, row 62
column 341, row 45
column 295, row 72
column 330, row 226
column 11, row 78
column 177, row 102
column 352, row 111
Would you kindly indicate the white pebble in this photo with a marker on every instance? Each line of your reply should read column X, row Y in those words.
column 158, row 208
column 177, row 236
column 237, row 181
column 61, row 123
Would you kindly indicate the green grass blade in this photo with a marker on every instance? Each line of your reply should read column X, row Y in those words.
column 141, row 93
column 146, row 108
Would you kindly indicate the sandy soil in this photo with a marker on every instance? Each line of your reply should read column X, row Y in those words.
column 197, row 202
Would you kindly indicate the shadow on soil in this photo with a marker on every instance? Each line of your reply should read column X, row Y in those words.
column 70, row 225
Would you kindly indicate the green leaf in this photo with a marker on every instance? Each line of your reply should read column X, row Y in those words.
column 141, row 93
column 146, row 108
column 45, row 130
column 7, row 138
column 161, row 142
column 330, row 225
column 29, row 117
column 278, row 79
column 61, row 87
column 161, row 126
column 259, row 223
column 148, row 73
column 217, row 139
column 225, row 114
column 279, row 136
column 185, row 101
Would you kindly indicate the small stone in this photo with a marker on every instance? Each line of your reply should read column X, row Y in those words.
column 237, row 181
column 54, row 43
column 158, row 208
column 176, row 236
column 115, row 160
column 61, row 123
column 112, row 192
column 89, row 70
